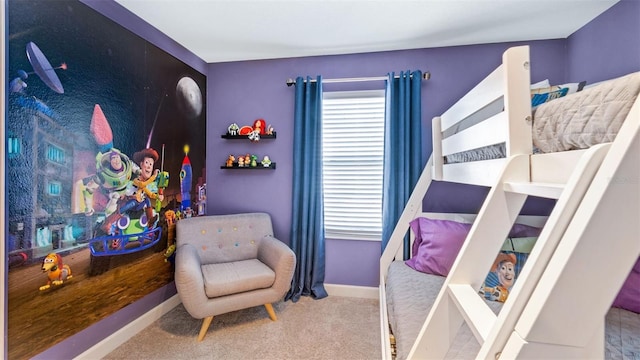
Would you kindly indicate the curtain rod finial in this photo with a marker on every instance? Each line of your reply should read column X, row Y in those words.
column 426, row 75
column 290, row 82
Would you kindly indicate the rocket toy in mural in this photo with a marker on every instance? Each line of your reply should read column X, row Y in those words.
column 185, row 183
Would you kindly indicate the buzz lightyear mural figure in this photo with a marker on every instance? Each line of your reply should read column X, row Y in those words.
column 114, row 171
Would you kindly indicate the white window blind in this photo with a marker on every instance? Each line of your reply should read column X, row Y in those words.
column 353, row 150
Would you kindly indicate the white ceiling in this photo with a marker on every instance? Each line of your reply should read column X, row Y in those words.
column 235, row 30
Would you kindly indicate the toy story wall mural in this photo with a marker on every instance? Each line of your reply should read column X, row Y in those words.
column 105, row 138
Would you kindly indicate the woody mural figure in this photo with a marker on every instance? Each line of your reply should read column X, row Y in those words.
column 145, row 185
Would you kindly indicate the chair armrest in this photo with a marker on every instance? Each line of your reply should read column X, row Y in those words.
column 280, row 258
column 189, row 281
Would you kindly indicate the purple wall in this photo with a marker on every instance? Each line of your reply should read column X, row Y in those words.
column 608, row 46
column 133, row 23
column 244, row 91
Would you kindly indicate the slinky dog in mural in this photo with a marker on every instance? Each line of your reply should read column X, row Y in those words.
column 57, row 272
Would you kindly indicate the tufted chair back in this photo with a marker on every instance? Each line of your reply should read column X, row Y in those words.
column 224, row 238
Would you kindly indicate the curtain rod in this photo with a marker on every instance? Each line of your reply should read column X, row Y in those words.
column 425, row 76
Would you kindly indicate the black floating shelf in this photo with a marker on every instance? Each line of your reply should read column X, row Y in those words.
column 259, row 167
column 246, row 137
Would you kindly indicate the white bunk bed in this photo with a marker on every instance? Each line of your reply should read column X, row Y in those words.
column 551, row 311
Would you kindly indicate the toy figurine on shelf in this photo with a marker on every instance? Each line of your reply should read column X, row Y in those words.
column 254, row 160
column 233, row 129
column 245, row 130
column 240, row 161
column 230, row 160
column 247, row 159
column 269, row 130
column 254, row 136
column 259, row 126
column 266, row 162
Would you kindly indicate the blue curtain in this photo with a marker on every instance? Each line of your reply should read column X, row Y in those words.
column 402, row 148
column 307, row 224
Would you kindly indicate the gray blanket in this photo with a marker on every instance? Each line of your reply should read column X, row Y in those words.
column 586, row 118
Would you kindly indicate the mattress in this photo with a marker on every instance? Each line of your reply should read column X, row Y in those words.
column 407, row 312
column 410, row 295
column 622, row 335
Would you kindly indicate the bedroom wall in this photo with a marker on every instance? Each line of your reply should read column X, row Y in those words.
column 133, row 23
column 607, row 47
column 244, row 91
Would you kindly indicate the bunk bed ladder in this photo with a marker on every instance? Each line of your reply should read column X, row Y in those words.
column 458, row 300
column 564, row 316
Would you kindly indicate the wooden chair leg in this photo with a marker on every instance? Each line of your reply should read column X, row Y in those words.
column 205, row 326
column 272, row 314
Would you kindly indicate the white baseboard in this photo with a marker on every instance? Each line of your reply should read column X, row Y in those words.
column 365, row 292
column 119, row 337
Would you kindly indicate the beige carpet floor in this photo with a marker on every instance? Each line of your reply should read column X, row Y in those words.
column 331, row 328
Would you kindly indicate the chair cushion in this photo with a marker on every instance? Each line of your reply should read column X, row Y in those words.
column 236, row 277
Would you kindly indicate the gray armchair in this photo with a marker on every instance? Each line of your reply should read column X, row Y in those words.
column 226, row 263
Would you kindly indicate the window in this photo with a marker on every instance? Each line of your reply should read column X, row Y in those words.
column 353, row 150
column 54, row 188
column 55, row 154
column 14, row 147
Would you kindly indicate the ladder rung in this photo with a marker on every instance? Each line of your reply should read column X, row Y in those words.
column 546, row 190
column 474, row 309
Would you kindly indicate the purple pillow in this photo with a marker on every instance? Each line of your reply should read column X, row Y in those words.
column 629, row 296
column 415, row 227
column 436, row 245
column 522, row 231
